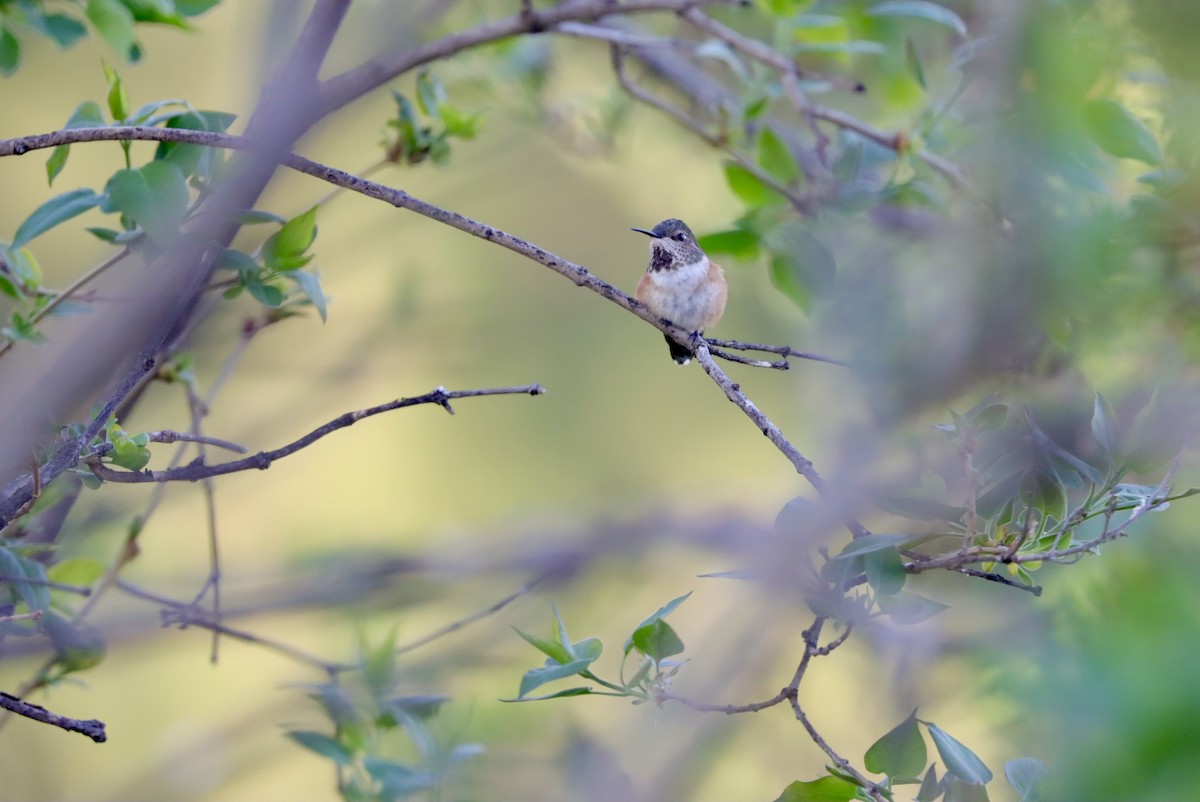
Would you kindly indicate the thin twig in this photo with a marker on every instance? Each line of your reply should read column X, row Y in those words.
column 198, row 411
column 745, row 360
column 169, row 436
column 1036, row 590
column 782, row 350
column 69, row 291
column 454, row 626
column 802, row 464
column 262, row 460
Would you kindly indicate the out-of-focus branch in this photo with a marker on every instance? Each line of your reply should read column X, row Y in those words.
column 353, row 84
column 789, row 76
column 719, row 141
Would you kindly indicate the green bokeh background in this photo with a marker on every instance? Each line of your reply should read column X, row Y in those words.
column 1100, row 662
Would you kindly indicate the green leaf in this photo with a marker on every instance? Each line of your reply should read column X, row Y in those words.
column 431, row 94
column 76, row 646
column 310, row 285
column 536, row 677
column 1119, row 133
column 899, row 753
column 775, row 157
column 741, row 244
column 580, row 691
column 186, row 156
column 86, row 115
column 284, row 250
column 162, row 12
column 7, row 287
column 118, row 95
column 785, row 279
column 825, row 789
column 552, row 649
column 76, row 571
column 915, row 68
column 660, row 613
column 1104, row 425
column 917, row 9
column 129, row 455
column 959, row 791
column 906, row 607
column 460, row 124
column 239, row 261
column 899, row 502
column 266, row 294
column 18, row 568
column 803, row 266
column 192, row 8
column 870, row 543
column 929, row 790
column 255, row 216
column 783, row 8
column 64, row 30
column 104, row 234
column 957, row 758
column 22, row 266
column 323, row 745
column 54, row 211
column 748, row 188
column 57, row 160
column 155, row 196
column 113, row 21
column 10, row 51
column 1024, row 774
column 657, row 640
column 885, row 571
column 396, row 778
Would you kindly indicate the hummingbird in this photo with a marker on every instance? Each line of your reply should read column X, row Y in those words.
column 681, row 284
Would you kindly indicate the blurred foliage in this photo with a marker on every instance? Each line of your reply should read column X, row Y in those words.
column 987, row 206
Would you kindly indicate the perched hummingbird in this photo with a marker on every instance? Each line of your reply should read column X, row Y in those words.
column 681, row 284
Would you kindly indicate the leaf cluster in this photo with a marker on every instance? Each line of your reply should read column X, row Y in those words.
column 115, row 21
column 382, row 741
column 654, row 641
column 424, row 130
column 901, row 756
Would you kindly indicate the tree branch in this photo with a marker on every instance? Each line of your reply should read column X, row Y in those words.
column 802, row 464
column 92, row 728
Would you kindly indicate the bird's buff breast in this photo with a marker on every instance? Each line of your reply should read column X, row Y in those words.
column 684, row 296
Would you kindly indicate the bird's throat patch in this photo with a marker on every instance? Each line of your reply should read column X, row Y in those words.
column 661, row 259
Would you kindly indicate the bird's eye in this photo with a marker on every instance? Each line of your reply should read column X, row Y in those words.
column 681, row 236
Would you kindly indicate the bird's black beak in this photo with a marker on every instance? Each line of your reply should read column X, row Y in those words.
column 643, row 231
